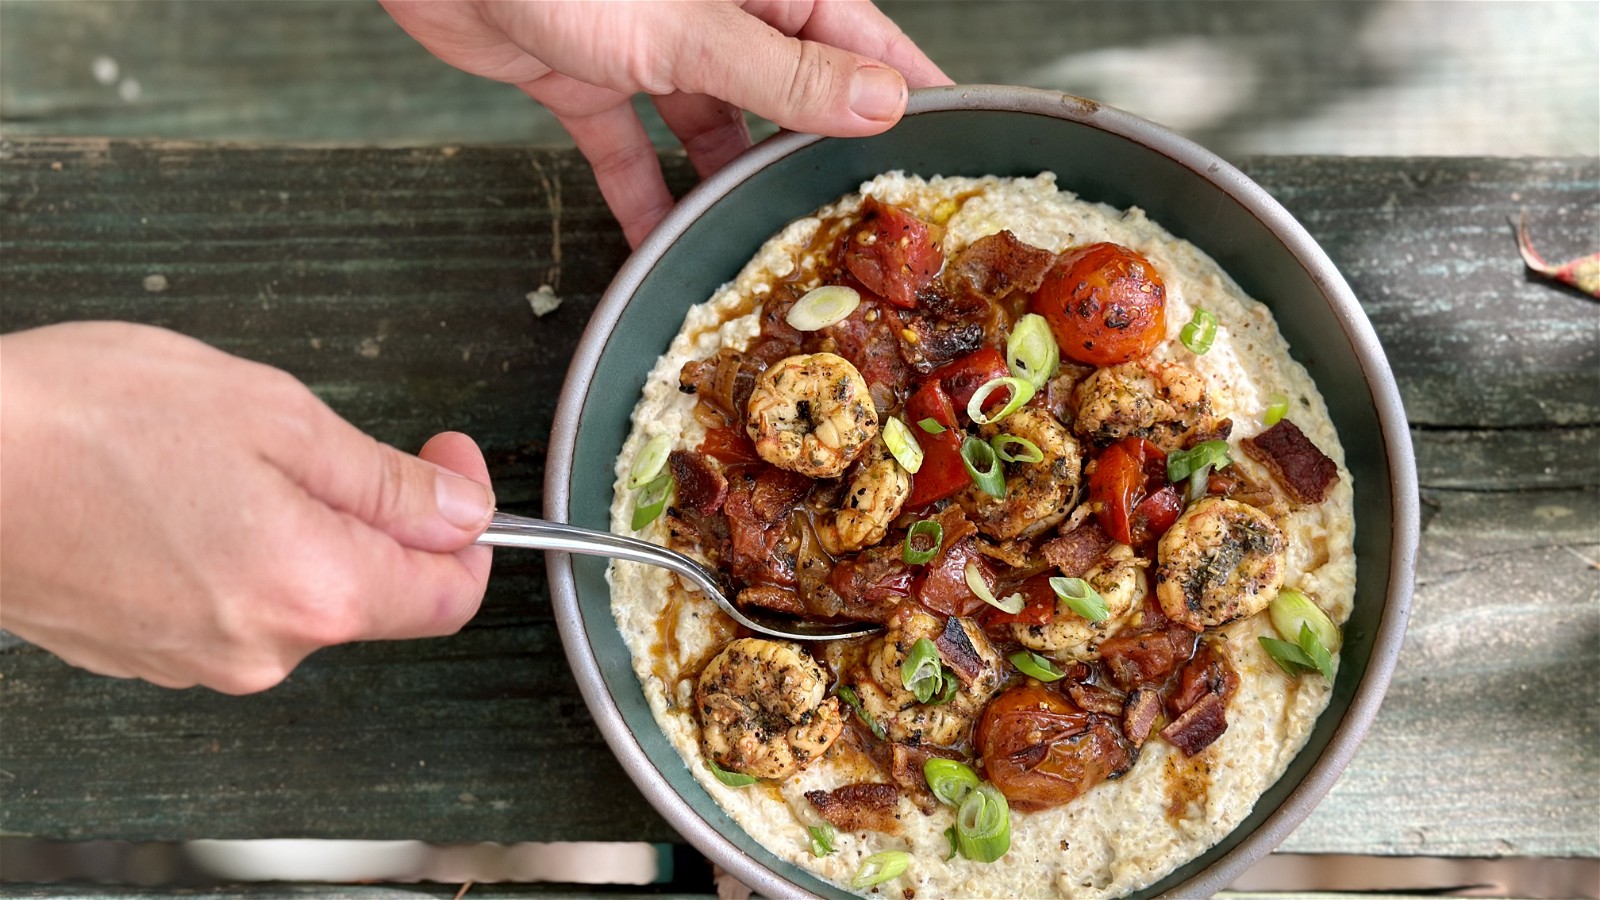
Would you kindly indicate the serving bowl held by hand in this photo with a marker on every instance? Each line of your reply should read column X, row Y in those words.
column 1100, row 154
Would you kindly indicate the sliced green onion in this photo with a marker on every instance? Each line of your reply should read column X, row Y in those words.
column 1206, row 453
column 1031, row 350
column 984, row 467
column 1200, row 332
column 1277, row 408
column 907, row 452
column 1318, row 653
column 922, row 671
column 1199, row 480
column 823, row 306
column 651, row 460
column 983, row 824
column 652, row 500
column 930, row 425
column 821, row 838
column 1021, row 392
column 948, row 692
column 1289, row 657
column 1036, row 666
column 950, row 835
column 1029, row 452
column 950, row 781
column 849, row 696
column 1011, row 604
column 1291, row 610
column 922, row 542
column 731, row 779
column 880, row 867
column 1081, row 597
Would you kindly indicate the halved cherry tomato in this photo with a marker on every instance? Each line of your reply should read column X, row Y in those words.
column 1127, row 474
column 1041, row 750
column 893, row 253
column 1038, row 603
column 943, row 584
column 942, row 472
column 729, row 445
column 1105, row 303
column 962, row 378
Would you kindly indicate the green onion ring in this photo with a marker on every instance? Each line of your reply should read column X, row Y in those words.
column 1199, row 480
column 1022, row 391
column 822, row 306
column 1012, row 604
column 1319, row 654
column 880, row 867
column 984, row 467
column 1291, row 610
column 950, row 835
column 930, row 425
column 1031, row 350
column 1205, row 453
column 922, row 671
column 907, row 452
column 731, row 779
column 848, row 695
column 652, row 500
column 1035, row 666
column 951, row 781
column 821, row 838
column 1081, row 597
column 1030, row 451
column 1200, row 332
column 1289, row 657
column 925, row 528
column 983, row 824
column 948, row 692
column 1277, row 408
column 651, row 460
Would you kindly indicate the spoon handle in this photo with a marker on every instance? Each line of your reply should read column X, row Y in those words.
column 506, row 530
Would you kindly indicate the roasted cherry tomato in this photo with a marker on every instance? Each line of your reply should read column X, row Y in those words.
column 893, row 253
column 1041, row 750
column 729, row 445
column 942, row 587
column 1127, row 475
column 1105, row 303
column 1038, row 603
column 962, row 378
column 942, row 472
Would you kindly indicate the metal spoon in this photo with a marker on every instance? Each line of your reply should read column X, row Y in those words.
column 506, row 530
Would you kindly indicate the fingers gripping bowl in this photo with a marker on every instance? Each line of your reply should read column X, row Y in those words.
column 1103, row 156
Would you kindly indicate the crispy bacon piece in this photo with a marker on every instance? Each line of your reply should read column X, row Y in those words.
column 906, row 762
column 757, row 507
column 1209, row 672
column 1147, row 656
column 783, row 600
column 1093, row 698
column 1077, row 551
column 859, row 807
column 926, row 343
column 958, row 647
column 1303, row 470
column 1139, row 716
column 987, row 270
column 701, row 485
column 1199, row 726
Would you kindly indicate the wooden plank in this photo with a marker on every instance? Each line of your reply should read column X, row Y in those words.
column 394, row 281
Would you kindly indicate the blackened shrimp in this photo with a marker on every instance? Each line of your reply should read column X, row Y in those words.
column 883, row 693
column 764, row 708
column 1038, row 494
column 1222, row 560
column 872, row 499
column 1069, row 637
column 811, row 414
column 1160, row 402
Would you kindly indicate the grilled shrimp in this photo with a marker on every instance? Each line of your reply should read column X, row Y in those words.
column 871, row 501
column 1161, row 402
column 811, row 414
column 1038, row 494
column 965, row 650
column 764, row 709
column 1069, row 637
column 1222, row 560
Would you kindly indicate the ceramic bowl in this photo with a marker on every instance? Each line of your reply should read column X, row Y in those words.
column 1103, row 155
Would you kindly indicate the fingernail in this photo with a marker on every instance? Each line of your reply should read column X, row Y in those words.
column 463, row 502
column 877, row 93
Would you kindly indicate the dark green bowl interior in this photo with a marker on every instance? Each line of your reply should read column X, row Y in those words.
column 1193, row 195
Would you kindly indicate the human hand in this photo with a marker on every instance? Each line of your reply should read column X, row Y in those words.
column 180, row 515
column 834, row 68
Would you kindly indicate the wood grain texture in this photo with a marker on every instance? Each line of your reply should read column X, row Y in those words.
column 394, row 282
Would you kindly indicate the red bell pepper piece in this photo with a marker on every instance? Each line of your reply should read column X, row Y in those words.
column 942, row 472
column 962, row 378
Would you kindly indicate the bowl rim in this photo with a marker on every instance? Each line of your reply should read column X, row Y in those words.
column 1395, row 438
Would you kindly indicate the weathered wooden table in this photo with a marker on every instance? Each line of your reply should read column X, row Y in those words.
column 395, row 283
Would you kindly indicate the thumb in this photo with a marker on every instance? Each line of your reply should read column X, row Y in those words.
column 420, row 504
column 801, row 85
